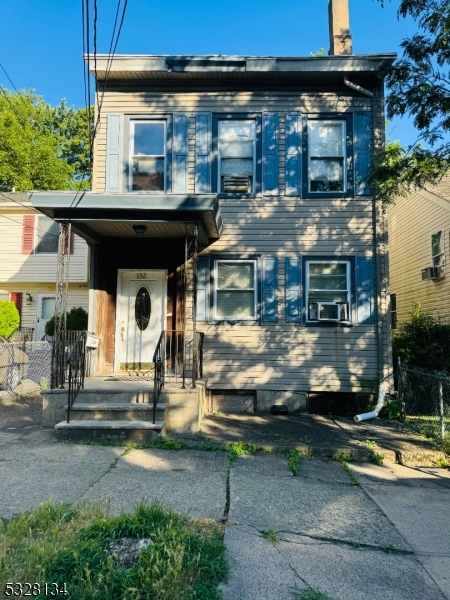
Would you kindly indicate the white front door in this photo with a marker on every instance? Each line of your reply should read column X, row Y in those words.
column 141, row 301
column 45, row 311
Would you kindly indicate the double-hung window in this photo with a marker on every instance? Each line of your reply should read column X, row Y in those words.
column 327, row 156
column 148, row 155
column 328, row 291
column 236, row 149
column 46, row 238
column 437, row 249
column 235, row 289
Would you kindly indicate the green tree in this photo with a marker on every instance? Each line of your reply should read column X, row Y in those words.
column 42, row 147
column 418, row 85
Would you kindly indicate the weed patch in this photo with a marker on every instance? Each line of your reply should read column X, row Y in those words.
column 350, row 473
column 377, row 459
column 181, row 558
column 442, row 463
column 370, row 444
column 271, row 536
column 342, row 456
column 294, row 457
column 309, row 594
column 237, row 449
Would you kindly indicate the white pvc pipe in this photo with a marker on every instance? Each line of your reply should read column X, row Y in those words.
column 374, row 413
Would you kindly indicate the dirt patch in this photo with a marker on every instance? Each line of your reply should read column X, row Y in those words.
column 20, row 413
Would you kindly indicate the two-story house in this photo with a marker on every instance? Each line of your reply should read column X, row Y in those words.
column 229, row 198
column 419, row 247
column 28, row 262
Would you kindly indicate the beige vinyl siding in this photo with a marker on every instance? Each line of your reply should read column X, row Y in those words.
column 278, row 356
column 412, row 221
column 78, row 295
column 291, row 356
column 18, row 267
column 141, row 102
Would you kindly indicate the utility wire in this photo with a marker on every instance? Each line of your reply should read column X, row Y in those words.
column 28, row 227
column 9, row 78
column 112, row 51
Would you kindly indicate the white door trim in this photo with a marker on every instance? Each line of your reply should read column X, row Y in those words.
column 119, row 298
column 40, row 296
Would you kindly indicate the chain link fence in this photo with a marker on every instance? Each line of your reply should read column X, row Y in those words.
column 25, row 367
column 426, row 398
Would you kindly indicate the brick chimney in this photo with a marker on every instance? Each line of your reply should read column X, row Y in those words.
column 340, row 38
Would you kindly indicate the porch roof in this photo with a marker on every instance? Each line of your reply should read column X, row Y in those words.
column 96, row 216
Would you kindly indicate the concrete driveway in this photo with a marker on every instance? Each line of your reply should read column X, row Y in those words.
column 387, row 538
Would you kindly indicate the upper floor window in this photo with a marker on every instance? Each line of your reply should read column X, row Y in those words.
column 148, row 155
column 437, row 249
column 236, row 156
column 328, row 290
column 326, row 144
column 46, row 235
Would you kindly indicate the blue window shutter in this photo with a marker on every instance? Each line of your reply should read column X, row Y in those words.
column 202, row 288
column 293, row 154
column 365, row 290
column 293, row 290
column 203, row 153
column 269, row 289
column 362, row 152
column 113, row 153
column 270, row 154
column 180, row 152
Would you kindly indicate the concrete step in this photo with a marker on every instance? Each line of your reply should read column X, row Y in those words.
column 117, row 431
column 116, row 411
column 114, row 396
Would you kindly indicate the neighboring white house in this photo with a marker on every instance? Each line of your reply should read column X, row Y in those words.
column 419, row 248
column 28, row 255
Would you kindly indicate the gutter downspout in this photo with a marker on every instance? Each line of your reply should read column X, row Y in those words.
column 374, row 413
column 357, row 87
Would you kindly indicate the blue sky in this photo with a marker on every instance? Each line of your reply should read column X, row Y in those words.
column 41, row 40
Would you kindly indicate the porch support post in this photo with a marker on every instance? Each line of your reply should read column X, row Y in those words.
column 194, row 307
column 62, row 283
column 185, row 306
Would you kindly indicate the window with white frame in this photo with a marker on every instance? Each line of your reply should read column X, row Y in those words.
column 437, row 249
column 393, row 311
column 236, row 156
column 46, row 236
column 235, row 289
column 328, row 290
column 148, row 155
column 326, row 148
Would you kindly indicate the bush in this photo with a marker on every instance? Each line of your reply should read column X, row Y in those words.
column 423, row 342
column 9, row 318
column 77, row 320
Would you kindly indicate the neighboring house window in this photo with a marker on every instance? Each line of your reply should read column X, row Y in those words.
column 327, row 156
column 235, row 289
column 437, row 249
column 394, row 311
column 236, row 156
column 46, row 236
column 148, row 155
column 328, row 290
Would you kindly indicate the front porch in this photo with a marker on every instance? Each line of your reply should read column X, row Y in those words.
column 146, row 371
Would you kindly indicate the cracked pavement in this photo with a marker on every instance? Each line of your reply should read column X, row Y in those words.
column 387, row 538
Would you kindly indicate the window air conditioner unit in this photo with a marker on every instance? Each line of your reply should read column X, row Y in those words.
column 328, row 311
column 236, row 183
column 432, row 273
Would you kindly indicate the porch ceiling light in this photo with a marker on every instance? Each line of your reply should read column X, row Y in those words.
column 140, row 229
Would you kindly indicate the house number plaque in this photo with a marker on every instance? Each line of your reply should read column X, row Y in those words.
column 142, row 275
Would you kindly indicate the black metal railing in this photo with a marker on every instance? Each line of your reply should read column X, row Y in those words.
column 177, row 362
column 76, row 367
column 62, row 349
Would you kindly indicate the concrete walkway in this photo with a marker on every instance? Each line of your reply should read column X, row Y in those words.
column 385, row 539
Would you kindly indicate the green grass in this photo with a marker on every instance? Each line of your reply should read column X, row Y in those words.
column 430, row 427
column 271, row 536
column 57, row 543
